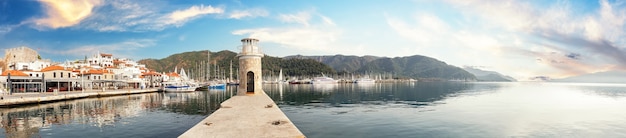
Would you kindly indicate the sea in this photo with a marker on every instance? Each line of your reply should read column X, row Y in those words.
column 403, row 109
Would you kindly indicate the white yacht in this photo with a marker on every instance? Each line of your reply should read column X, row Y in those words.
column 323, row 80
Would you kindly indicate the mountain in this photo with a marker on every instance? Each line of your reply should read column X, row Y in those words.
column 599, row 77
column 482, row 75
column 195, row 62
column 340, row 63
column 417, row 67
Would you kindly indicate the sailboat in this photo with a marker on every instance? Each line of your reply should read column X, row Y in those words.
column 216, row 84
column 280, row 77
column 184, row 84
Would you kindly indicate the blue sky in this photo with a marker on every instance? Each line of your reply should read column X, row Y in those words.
column 518, row 38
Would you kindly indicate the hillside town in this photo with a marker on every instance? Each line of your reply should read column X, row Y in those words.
column 23, row 70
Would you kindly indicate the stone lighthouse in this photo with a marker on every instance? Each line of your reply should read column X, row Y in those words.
column 250, row 82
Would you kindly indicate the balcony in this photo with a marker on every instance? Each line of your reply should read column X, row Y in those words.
column 249, row 50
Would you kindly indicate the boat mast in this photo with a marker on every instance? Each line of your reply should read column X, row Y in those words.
column 230, row 75
column 208, row 65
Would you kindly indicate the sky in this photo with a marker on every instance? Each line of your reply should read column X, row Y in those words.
column 523, row 39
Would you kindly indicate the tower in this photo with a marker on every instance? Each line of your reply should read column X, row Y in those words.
column 250, row 82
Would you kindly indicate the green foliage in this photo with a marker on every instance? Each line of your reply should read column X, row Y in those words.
column 220, row 62
column 418, row 67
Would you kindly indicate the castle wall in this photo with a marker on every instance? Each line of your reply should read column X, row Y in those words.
column 19, row 54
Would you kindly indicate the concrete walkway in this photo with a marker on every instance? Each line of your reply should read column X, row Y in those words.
column 35, row 97
column 252, row 116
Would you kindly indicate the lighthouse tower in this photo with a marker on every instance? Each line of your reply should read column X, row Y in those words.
column 250, row 82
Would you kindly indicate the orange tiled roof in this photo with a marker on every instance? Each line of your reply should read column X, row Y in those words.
column 14, row 73
column 51, row 68
column 105, row 55
column 93, row 71
column 152, row 73
column 173, row 74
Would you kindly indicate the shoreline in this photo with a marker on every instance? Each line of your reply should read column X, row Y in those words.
column 18, row 99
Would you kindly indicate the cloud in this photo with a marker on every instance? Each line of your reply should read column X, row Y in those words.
column 317, row 39
column 65, row 13
column 302, row 17
column 559, row 27
column 427, row 29
column 181, row 16
column 250, row 13
column 574, row 56
column 115, row 48
column 312, row 34
column 121, row 15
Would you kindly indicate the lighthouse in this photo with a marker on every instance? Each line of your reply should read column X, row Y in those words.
column 250, row 75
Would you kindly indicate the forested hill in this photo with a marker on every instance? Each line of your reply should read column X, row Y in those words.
column 196, row 61
column 417, row 67
column 340, row 63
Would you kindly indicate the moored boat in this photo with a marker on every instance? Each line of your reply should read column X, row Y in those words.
column 178, row 87
column 323, row 80
column 365, row 80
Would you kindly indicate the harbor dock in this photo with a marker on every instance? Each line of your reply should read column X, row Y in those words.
column 34, row 98
column 246, row 116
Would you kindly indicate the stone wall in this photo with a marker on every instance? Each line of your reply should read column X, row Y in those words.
column 19, row 54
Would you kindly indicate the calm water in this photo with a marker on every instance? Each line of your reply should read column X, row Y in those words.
column 437, row 109
column 456, row 110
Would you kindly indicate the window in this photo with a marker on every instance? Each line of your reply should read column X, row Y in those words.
column 61, row 74
column 69, row 75
column 54, row 75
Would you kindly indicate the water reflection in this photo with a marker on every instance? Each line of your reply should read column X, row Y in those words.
column 415, row 94
column 108, row 112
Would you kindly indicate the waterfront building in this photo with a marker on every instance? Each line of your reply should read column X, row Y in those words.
column 19, row 82
column 154, row 79
column 250, row 67
column 59, row 78
column 36, row 65
column 101, row 60
column 100, row 70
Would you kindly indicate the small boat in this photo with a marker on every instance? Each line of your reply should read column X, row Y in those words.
column 217, row 86
column 323, row 80
column 365, row 80
column 178, row 87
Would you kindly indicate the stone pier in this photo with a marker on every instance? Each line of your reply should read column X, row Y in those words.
column 255, row 116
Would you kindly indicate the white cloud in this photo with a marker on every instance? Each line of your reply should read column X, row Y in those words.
column 428, row 30
column 250, row 13
column 302, row 17
column 320, row 35
column 65, row 13
column 181, row 16
column 327, row 20
column 317, row 39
